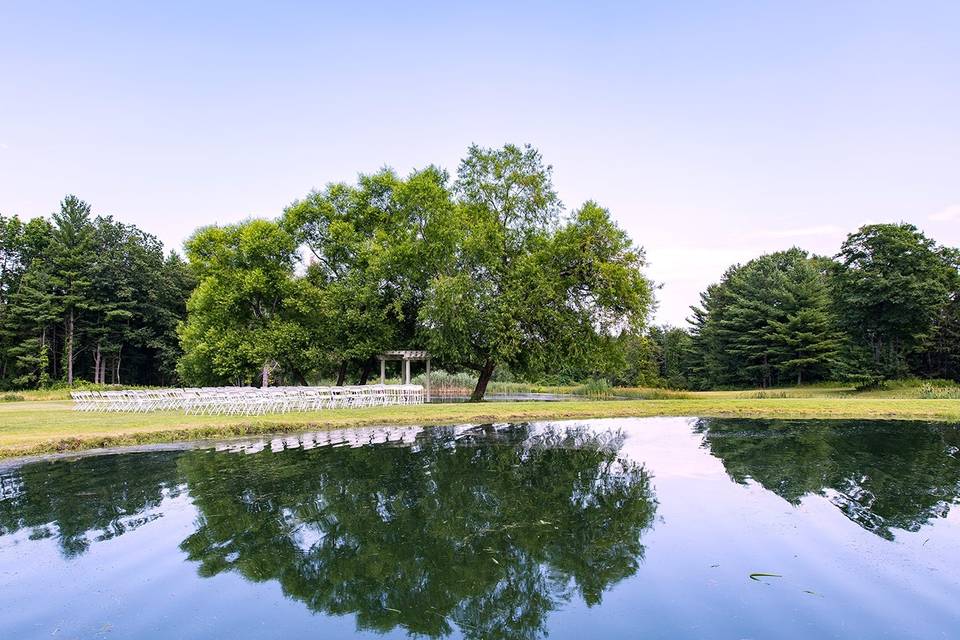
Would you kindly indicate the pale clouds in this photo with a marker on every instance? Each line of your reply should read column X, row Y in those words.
column 947, row 214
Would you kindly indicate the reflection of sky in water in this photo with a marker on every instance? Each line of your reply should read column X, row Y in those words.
column 839, row 579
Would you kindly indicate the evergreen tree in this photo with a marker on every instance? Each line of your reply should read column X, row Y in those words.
column 28, row 329
column 766, row 322
column 806, row 342
column 72, row 251
column 88, row 292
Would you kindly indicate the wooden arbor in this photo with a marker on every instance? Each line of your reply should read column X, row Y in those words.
column 405, row 357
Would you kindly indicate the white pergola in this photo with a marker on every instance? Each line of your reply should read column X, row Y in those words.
column 405, row 358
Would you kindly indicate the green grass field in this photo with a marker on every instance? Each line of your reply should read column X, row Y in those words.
column 38, row 426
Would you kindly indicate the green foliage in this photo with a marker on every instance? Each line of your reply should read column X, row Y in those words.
column 886, row 307
column 767, row 322
column 247, row 313
column 86, row 297
column 892, row 286
column 486, row 272
column 673, row 353
column 373, row 249
column 525, row 290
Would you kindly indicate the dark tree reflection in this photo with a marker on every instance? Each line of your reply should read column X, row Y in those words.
column 487, row 534
column 882, row 475
column 81, row 501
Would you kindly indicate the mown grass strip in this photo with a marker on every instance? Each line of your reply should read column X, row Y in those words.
column 33, row 428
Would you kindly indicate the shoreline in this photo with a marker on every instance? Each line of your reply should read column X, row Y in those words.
column 34, row 428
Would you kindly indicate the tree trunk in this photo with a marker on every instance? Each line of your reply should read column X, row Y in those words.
column 481, row 389
column 342, row 373
column 96, row 365
column 265, row 376
column 69, row 347
column 53, row 352
column 117, row 376
column 44, row 364
column 365, row 372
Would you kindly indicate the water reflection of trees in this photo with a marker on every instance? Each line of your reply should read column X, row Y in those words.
column 882, row 475
column 485, row 536
column 89, row 499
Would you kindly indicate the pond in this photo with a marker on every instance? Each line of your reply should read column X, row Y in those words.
column 658, row 527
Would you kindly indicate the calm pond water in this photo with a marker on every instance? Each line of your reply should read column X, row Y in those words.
column 658, row 528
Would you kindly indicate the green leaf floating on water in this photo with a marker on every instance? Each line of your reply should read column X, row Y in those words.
column 757, row 576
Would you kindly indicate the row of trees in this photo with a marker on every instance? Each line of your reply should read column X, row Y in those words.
column 886, row 306
column 482, row 271
column 85, row 297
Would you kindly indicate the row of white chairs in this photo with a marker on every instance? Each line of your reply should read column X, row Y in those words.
column 246, row 400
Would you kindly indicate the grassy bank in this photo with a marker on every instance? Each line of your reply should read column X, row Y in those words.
column 36, row 427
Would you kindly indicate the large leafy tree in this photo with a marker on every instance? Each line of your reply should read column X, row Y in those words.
column 372, row 249
column 136, row 297
column 523, row 290
column 892, row 285
column 246, row 317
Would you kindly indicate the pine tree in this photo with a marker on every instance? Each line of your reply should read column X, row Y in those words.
column 765, row 322
column 28, row 328
column 72, row 253
column 806, row 341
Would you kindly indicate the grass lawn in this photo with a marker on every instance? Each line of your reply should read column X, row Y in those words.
column 44, row 426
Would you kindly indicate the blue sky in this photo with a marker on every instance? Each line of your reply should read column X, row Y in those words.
column 714, row 131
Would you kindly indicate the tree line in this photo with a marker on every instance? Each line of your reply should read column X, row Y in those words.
column 886, row 306
column 486, row 269
column 85, row 297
